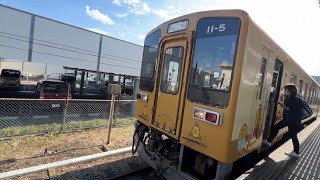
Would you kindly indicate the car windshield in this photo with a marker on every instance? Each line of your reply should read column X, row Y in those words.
column 213, row 60
column 55, row 88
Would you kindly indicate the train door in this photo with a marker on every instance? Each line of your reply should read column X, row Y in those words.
column 273, row 97
column 170, row 87
column 260, row 101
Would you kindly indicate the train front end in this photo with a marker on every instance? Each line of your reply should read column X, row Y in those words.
column 187, row 97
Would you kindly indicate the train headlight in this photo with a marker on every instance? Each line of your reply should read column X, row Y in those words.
column 208, row 116
column 198, row 114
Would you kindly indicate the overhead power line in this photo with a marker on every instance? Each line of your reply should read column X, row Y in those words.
column 66, row 57
column 121, row 58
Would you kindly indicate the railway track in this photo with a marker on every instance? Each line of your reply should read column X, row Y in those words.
column 143, row 173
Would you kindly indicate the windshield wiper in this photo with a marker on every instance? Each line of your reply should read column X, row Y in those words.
column 204, row 92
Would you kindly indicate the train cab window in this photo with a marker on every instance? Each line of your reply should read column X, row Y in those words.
column 171, row 70
column 149, row 60
column 213, row 60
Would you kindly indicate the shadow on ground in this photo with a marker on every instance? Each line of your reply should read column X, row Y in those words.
column 106, row 170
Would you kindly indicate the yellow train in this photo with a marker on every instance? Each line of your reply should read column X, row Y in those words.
column 209, row 87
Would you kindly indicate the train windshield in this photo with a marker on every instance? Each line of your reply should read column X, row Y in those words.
column 150, row 55
column 213, row 61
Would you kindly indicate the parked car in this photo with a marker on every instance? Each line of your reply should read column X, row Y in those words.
column 10, row 79
column 53, row 89
column 53, row 94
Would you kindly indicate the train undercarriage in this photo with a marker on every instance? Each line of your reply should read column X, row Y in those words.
column 173, row 160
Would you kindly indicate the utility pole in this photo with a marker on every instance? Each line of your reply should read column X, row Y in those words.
column 1, row 60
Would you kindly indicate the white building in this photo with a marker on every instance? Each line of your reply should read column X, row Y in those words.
column 46, row 45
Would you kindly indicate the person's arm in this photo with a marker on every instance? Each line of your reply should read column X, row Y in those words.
column 291, row 105
column 283, row 106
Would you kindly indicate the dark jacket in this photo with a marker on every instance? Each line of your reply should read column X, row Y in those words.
column 295, row 112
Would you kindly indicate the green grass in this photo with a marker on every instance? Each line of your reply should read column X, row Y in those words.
column 33, row 129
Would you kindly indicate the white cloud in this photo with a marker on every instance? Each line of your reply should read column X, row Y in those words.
column 122, row 15
column 117, row 2
column 141, row 37
column 97, row 15
column 162, row 13
column 131, row 2
column 143, row 9
column 168, row 14
column 100, row 31
column 134, row 6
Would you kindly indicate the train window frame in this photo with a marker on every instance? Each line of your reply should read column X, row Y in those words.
column 293, row 79
column 155, row 63
column 233, row 64
column 180, row 69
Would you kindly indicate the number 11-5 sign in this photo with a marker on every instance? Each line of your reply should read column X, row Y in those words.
column 213, row 28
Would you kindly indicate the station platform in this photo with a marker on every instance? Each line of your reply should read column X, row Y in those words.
column 280, row 166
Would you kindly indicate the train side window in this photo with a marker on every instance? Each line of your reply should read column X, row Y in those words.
column 316, row 98
column 262, row 76
column 307, row 93
column 293, row 79
column 300, row 90
column 313, row 96
column 171, row 70
column 310, row 95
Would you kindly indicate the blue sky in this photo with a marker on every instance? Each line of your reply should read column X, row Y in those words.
column 123, row 19
column 293, row 24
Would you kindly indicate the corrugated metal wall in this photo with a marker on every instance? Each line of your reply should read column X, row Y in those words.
column 50, row 44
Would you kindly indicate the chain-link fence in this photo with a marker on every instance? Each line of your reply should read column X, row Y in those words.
column 31, row 116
